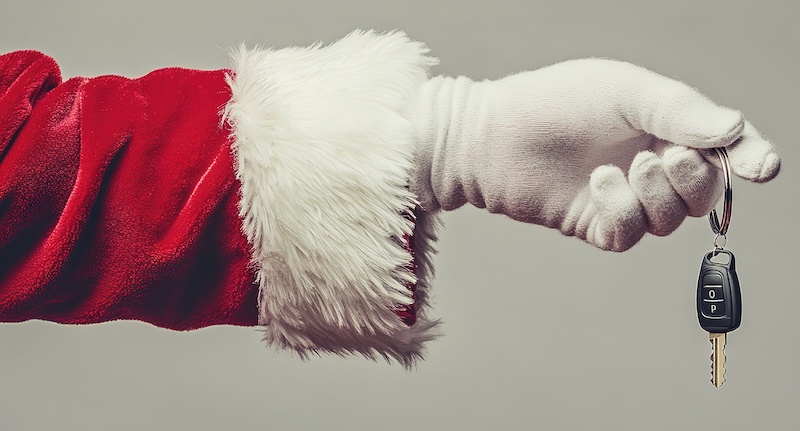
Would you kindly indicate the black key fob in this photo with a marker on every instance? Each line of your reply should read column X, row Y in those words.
column 719, row 299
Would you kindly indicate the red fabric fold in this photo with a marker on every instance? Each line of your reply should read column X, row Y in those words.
column 118, row 199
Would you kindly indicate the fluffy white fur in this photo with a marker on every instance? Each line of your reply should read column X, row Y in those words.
column 324, row 147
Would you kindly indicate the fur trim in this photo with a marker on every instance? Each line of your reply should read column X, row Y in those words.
column 324, row 149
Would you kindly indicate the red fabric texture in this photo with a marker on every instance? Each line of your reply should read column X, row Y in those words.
column 118, row 199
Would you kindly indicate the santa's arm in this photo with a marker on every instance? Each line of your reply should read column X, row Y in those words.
column 283, row 192
column 274, row 193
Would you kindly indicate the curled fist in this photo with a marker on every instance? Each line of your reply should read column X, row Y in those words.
column 599, row 149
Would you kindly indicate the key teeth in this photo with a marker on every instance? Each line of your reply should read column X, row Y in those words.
column 721, row 364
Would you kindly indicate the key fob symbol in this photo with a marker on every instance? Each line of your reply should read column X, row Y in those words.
column 719, row 299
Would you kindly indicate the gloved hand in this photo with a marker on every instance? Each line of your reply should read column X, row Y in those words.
column 599, row 149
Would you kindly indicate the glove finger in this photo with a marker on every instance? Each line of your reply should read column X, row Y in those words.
column 676, row 112
column 698, row 182
column 663, row 206
column 752, row 157
column 619, row 222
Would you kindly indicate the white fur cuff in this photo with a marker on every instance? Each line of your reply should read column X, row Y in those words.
column 324, row 146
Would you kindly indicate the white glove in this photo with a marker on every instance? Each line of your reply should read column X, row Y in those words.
column 599, row 149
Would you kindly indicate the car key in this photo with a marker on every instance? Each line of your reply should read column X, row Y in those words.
column 719, row 306
column 719, row 298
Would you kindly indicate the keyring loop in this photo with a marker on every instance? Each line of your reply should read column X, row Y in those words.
column 720, row 245
column 727, row 207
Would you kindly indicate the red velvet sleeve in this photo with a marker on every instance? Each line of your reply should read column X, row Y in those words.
column 118, row 199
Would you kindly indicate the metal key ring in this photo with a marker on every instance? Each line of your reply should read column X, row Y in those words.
column 727, row 207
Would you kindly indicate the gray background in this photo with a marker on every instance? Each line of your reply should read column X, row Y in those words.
column 543, row 331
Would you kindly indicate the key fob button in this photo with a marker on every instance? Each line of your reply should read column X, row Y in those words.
column 713, row 293
column 713, row 277
column 712, row 308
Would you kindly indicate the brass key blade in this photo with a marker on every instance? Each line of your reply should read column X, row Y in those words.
column 717, row 358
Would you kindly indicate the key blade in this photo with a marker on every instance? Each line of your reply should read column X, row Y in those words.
column 717, row 358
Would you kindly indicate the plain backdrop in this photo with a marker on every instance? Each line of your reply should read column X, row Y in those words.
column 542, row 331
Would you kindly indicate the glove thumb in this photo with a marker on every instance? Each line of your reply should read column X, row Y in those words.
column 676, row 112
